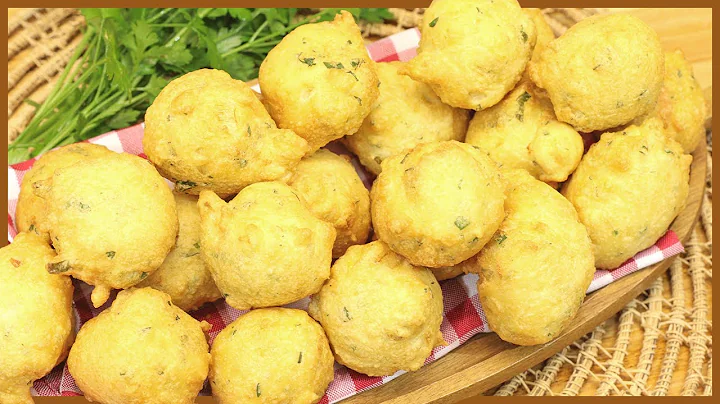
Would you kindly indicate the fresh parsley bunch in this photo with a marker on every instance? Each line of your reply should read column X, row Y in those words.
column 127, row 56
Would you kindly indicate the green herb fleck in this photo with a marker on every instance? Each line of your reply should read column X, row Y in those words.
column 679, row 73
column 615, row 232
column 58, row 267
column 110, row 254
column 177, row 318
column 308, row 61
column 184, row 185
column 669, row 151
column 329, row 65
column 225, row 295
column 521, row 100
column 377, row 159
column 404, row 158
column 461, row 222
column 143, row 275
column 359, row 100
column 434, row 22
column 300, row 358
column 31, row 228
column 500, row 239
column 355, row 63
column 347, row 315
column 523, row 34
column 353, row 74
column 242, row 163
column 349, row 42
column 197, row 244
column 474, row 240
column 257, row 390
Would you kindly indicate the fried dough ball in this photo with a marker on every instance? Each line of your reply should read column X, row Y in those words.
column 319, row 80
column 545, row 34
column 438, row 204
column 681, row 104
column 183, row 275
column 264, row 248
column 142, row 349
column 406, row 114
column 603, row 72
column 335, row 194
column 112, row 221
column 536, row 270
column 522, row 132
column 208, row 131
column 273, row 355
column 381, row 314
column 472, row 52
column 628, row 189
column 37, row 324
column 32, row 211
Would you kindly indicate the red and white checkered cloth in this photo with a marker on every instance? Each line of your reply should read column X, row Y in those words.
column 463, row 316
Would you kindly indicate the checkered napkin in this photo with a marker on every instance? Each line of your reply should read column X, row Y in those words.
column 463, row 316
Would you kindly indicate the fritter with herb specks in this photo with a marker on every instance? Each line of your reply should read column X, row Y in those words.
column 381, row 314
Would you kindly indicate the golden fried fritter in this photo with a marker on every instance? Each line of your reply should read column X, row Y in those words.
column 335, row 194
column 32, row 211
column 37, row 323
column 112, row 221
column 628, row 189
column 545, row 34
column 183, row 275
column 406, row 114
column 603, row 72
column 273, row 355
column 473, row 52
column 141, row 350
column 206, row 130
column 319, row 80
column 438, row 204
column 264, row 248
column 381, row 314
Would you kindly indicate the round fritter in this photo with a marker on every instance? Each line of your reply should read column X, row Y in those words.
column 264, row 248
column 37, row 323
column 208, row 131
column 273, row 356
column 438, row 204
column 522, row 132
column 628, row 189
column 535, row 271
column 545, row 34
column 681, row 104
column 112, row 221
column 319, row 80
column 381, row 314
column 142, row 349
column 335, row 194
column 472, row 52
column 603, row 72
column 183, row 275
column 32, row 211
column 406, row 114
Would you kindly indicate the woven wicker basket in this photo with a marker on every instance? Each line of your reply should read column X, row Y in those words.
column 659, row 344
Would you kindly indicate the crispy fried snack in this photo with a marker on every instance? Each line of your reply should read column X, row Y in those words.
column 273, row 355
column 142, row 349
column 545, row 34
column 264, row 248
column 628, row 189
column 438, row 204
column 681, row 104
column 183, row 275
column 522, row 132
column 381, row 314
column 472, row 52
column 208, row 131
column 406, row 114
column 603, row 72
column 37, row 325
column 335, row 194
column 535, row 271
column 112, row 221
column 319, row 81
column 32, row 211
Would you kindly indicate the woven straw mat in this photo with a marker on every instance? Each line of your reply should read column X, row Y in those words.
column 659, row 344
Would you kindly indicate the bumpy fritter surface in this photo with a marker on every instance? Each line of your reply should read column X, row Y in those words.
column 406, row 114
column 183, row 275
column 36, row 317
column 535, row 271
column 206, row 130
column 274, row 355
column 603, row 72
column 522, row 132
column 472, row 52
column 381, row 314
column 32, row 211
column 681, row 104
column 319, row 80
column 335, row 194
column 628, row 189
column 112, row 221
column 264, row 248
column 141, row 350
column 438, row 204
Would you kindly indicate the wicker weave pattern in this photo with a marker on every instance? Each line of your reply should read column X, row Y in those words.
column 659, row 344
